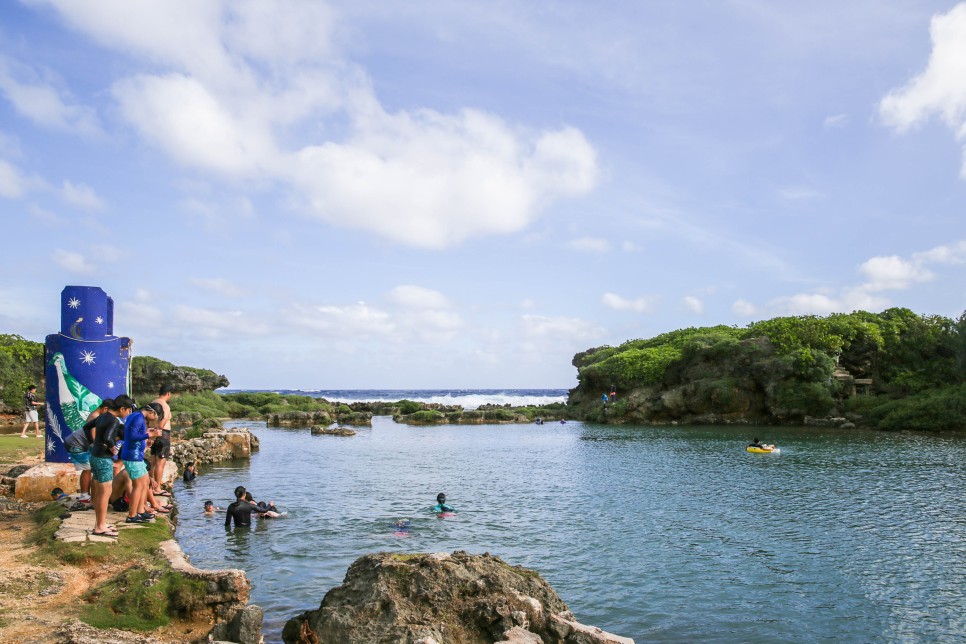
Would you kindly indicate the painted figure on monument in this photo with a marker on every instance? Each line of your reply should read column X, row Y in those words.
column 85, row 364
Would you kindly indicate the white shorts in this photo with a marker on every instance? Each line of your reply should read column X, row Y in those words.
column 31, row 416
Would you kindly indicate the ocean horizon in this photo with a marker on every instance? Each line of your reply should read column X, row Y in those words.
column 467, row 398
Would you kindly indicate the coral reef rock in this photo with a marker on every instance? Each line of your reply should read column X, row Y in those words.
column 442, row 598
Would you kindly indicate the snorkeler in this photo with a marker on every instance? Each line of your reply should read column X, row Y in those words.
column 441, row 506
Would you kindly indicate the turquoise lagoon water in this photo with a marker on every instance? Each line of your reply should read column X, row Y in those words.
column 664, row 534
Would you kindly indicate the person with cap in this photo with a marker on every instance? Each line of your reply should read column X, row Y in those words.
column 136, row 433
column 441, row 505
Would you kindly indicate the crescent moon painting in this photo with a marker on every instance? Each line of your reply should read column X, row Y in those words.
column 73, row 329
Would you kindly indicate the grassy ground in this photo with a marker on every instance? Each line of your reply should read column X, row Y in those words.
column 142, row 593
column 14, row 449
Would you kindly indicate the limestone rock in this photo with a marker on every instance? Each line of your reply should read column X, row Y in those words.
column 441, row 598
column 36, row 483
column 332, row 431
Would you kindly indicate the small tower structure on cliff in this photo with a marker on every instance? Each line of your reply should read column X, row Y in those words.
column 85, row 363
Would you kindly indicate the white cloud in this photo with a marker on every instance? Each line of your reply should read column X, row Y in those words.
column 629, row 247
column 893, row 273
column 952, row 254
column 212, row 323
column 417, row 297
column 14, row 184
column 73, row 262
column 46, row 216
column 693, row 304
column 219, row 285
column 417, row 177
column 618, row 303
column 835, row 121
column 590, row 244
column 81, row 195
column 562, row 329
column 941, row 88
column 43, row 103
column 744, row 308
column 359, row 320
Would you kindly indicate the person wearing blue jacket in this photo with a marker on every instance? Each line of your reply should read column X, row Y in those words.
column 136, row 432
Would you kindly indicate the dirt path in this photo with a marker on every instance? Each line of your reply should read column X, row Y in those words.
column 38, row 598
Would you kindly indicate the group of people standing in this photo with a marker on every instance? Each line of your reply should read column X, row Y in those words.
column 111, row 454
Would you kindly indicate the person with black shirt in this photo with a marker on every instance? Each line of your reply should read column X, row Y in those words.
column 241, row 510
column 103, row 435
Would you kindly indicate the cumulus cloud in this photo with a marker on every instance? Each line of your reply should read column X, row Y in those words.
column 882, row 273
column 357, row 320
column 893, row 273
column 82, row 196
column 214, row 323
column 41, row 102
column 619, row 303
column 14, row 184
column 417, row 297
column 835, row 121
column 744, row 308
column 693, row 305
column 941, row 88
column 243, row 101
column 559, row 328
column 73, row 262
column 219, row 285
column 590, row 244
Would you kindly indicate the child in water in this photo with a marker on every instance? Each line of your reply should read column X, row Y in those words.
column 441, row 505
column 210, row 507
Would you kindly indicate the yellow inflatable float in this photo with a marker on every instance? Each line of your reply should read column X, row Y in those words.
column 764, row 449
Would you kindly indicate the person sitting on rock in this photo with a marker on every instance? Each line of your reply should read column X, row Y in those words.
column 441, row 505
column 240, row 511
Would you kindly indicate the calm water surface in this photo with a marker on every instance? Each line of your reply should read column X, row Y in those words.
column 662, row 534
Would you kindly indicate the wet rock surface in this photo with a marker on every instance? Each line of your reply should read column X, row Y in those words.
column 442, row 598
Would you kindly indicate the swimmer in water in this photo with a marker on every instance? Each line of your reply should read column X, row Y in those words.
column 270, row 511
column 441, row 505
column 240, row 512
column 400, row 528
column 210, row 507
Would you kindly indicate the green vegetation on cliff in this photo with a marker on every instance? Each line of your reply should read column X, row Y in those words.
column 891, row 370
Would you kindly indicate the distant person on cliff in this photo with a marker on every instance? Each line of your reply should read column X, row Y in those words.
column 603, row 399
column 441, row 505
column 241, row 510
column 136, row 433
column 30, row 411
column 165, row 393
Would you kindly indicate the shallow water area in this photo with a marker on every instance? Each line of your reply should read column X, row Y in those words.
column 667, row 534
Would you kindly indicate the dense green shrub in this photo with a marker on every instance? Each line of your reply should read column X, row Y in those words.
column 409, row 406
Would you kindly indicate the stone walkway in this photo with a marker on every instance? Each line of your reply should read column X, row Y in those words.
column 78, row 526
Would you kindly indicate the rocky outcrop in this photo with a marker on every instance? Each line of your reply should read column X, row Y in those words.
column 442, row 599
column 213, row 447
column 225, row 601
column 332, row 431
column 148, row 374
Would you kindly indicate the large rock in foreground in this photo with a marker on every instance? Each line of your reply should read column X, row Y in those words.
column 442, row 599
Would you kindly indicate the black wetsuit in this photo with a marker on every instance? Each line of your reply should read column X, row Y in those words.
column 241, row 512
column 105, row 434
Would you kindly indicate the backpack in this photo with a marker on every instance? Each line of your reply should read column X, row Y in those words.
column 77, row 442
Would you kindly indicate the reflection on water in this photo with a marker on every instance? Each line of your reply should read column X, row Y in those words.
column 662, row 534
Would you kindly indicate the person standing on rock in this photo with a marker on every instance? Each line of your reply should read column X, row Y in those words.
column 136, row 433
column 165, row 393
column 30, row 411
column 103, row 437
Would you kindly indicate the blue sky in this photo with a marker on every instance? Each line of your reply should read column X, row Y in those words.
column 423, row 194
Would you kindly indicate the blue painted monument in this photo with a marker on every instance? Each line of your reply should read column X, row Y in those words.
column 85, row 363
